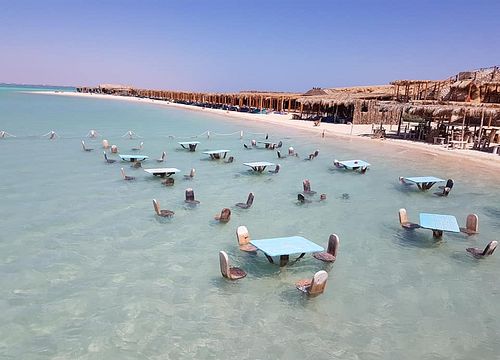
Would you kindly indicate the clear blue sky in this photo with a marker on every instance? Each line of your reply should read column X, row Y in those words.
column 215, row 45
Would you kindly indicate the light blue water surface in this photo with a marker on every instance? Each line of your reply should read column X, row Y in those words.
column 87, row 271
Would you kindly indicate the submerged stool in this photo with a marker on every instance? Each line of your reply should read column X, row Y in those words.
column 248, row 204
column 231, row 273
column 306, row 184
column 471, row 225
column 191, row 174
column 85, row 148
column 168, row 181
column 276, row 169
column 488, row 250
column 162, row 158
column 159, row 212
column 314, row 286
column 403, row 220
column 244, row 239
column 190, row 197
column 126, row 177
column 108, row 161
column 331, row 253
column 302, row 199
column 141, row 145
column 224, row 216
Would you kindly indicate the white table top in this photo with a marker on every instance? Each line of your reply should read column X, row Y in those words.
column 211, row 152
column 188, row 142
column 135, row 157
column 258, row 163
column 354, row 163
column 286, row 246
column 162, row 171
column 439, row 222
column 423, row 179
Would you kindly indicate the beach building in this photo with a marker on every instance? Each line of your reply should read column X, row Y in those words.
column 462, row 110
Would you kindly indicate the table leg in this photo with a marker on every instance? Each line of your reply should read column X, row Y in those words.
column 284, row 260
column 300, row 257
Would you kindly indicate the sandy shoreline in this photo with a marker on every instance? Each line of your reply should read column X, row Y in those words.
column 331, row 130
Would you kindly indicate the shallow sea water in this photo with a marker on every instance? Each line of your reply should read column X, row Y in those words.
column 87, row 271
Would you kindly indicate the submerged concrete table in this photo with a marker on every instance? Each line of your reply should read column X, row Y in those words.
column 259, row 166
column 133, row 158
column 284, row 247
column 423, row 182
column 216, row 154
column 354, row 164
column 162, row 172
column 439, row 223
column 191, row 145
column 268, row 144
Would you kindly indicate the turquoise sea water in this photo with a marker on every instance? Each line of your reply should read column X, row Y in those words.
column 87, row 271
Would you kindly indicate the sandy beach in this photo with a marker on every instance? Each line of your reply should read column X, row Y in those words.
column 467, row 158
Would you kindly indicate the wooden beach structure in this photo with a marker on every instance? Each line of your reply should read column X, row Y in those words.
column 435, row 111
